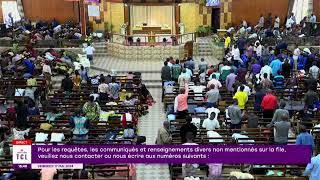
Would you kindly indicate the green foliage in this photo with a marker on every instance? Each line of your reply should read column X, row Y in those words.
column 202, row 1
column 73, row 56
column 204, row 30
column 108, row 27
column 16, row 48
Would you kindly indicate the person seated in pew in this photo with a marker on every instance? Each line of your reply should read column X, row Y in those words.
column 81, row 174
column 76, row 79
column 80, row 125
column 29, row 93
column 48, row 173
column 164, row 136
column 114, row 88
column 33, row 109
column 91, row 109
column 131, row 101
column 103, row 89
column 52, row 114
column 22, row 114
column 67, row 85
column 188, row 127
column 29, row 68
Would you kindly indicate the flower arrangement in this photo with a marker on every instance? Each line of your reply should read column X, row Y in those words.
column 216, row 39
column 89, row 38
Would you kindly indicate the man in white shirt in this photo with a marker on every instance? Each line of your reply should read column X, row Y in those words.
column 89, row 52
column 265, row 69
column 313, row 18
column 293, row 18
column 103, row 89
column 258, row 49
column 314, row 71
column 296, row 54
column 236, row 53
column 211, row 123
column 277, row 23
column 244, row 24
column 289, row 24
column 261, row 22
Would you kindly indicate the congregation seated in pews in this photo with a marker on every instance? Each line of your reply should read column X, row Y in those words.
column 86, row 110
column 241, row 102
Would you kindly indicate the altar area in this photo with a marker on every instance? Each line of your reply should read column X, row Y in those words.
column 151, row 32
column 145, row 19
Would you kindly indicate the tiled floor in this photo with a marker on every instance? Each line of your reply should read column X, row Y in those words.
column 149, row 124
column 107, row 63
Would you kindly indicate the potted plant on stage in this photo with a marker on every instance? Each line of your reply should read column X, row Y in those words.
column 203, row 31
column 108, row 28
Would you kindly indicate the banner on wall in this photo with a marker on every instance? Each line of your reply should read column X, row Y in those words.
column 93, row 11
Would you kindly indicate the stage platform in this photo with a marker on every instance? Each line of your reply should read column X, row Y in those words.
column 145, row 52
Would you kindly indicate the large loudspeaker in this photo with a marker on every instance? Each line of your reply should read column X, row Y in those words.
column 3, row 30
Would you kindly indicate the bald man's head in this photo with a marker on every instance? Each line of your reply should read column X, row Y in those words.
column 166, row 124
column 285, row 117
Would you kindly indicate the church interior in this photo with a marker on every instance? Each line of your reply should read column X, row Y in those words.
column 160, row 72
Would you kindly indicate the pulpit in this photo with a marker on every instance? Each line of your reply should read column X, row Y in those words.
column 151, row 39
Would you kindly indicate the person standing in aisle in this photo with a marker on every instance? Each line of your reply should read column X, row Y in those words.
column 89, row 52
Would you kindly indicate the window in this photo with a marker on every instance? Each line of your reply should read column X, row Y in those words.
column 10, row 7
column 302, row 8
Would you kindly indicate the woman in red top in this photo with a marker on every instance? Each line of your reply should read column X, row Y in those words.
column 269, row 104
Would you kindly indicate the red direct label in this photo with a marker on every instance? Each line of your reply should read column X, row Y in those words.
column 22, row 142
